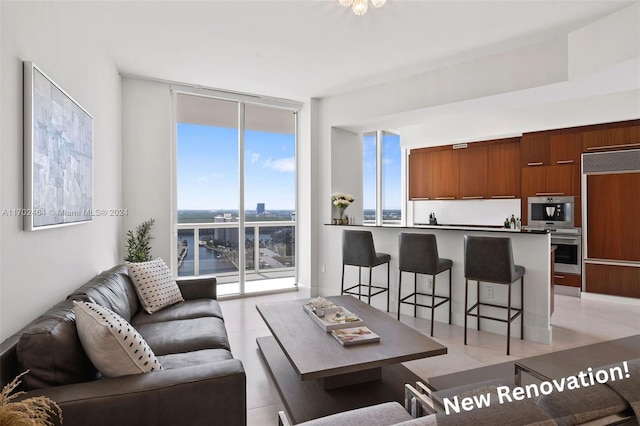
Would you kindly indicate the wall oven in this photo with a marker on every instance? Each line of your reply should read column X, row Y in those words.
column 568, row 254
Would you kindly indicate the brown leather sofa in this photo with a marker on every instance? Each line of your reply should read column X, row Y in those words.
column 201, row 383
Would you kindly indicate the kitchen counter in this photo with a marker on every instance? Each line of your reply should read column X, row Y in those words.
column 531, row 249
column 484, row 228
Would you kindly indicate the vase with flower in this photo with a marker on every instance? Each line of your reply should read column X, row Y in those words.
column 341, row 201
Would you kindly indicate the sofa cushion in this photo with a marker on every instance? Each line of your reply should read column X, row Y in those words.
column 584, row 404
column 50, row 348
column 189, row 359
column 111, row 343
column 171, row 337
column 154, row 284
column 112, row 289
column 184, row 310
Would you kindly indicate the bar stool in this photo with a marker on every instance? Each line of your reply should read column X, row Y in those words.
column 418, row 253
column 490, row 259
column 358, row 250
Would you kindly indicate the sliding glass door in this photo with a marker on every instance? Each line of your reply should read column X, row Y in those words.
column 235, row 191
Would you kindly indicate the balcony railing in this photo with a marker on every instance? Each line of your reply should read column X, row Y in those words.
column 213, row 249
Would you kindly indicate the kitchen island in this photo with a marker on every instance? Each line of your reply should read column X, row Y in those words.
column 531, row 249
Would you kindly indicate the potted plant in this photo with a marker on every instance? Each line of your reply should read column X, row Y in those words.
column 138, row 246
column 35, row 411
column 341, row 201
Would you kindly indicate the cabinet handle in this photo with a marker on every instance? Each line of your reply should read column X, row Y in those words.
column 445, row 198
column 419, row 199
column 503, row 196
column 558, row 276
column 535, row 164
column 549, row 193
column 479, row 197
column 591, row 148
column 564, row 162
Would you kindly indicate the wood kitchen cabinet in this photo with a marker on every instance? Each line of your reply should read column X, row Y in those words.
column 420, row 181
column 503, row 173
column 550, row 181
column 473, row 166
column 445, row 166
column 612, row 279
column 565, row 148
column 614, row 136
column 569, row 280
column 534, row 149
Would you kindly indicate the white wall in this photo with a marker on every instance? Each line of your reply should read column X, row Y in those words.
column 147, row 163
column 346, row 170
column 38, row 269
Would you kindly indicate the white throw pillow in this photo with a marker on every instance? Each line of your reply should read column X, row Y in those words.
column 154, row 284
column 114, row 347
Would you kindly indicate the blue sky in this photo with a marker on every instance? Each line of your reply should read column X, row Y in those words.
column 207, row 168
column 391, row 171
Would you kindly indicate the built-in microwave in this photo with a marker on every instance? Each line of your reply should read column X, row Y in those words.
column 556, row 212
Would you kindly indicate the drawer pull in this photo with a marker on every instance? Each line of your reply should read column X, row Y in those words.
column 503, row 196
column 549, row 193
column 564, row 161
column 445, row 198
column 419, row 198
column 627, row 145
column 558, row 276
column 535, row 164
column 479, row 197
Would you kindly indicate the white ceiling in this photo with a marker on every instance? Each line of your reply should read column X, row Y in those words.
column 298, row 49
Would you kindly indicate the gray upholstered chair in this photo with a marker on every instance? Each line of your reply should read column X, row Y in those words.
column 490, row 259
column 358, row 250
column 418, row 254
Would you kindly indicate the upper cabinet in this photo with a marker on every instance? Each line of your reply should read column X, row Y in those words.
column 473, row 165
column 565, row 148
column 623, row 135
column 503, row 174
column 534, row 149
column 481, row 170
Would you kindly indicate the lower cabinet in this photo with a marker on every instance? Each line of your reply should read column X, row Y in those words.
column 569, row 280
column 613, row 280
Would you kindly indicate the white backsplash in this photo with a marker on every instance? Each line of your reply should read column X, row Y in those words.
column 466, row 212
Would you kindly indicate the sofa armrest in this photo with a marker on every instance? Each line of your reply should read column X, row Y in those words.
column 206, row 394
column 198, row 288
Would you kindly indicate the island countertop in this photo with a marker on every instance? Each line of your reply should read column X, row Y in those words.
column 445, row 227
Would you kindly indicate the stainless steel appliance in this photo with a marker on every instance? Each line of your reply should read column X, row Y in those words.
column 547, row 212
column 568, row 254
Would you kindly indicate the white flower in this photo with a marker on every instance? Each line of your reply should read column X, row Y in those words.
column 341, row 200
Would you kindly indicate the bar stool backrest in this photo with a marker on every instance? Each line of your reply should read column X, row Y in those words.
column 418, row 253
column 489, row 259
column 358, row 248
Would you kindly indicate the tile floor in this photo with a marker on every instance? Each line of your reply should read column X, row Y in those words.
column 576, row 322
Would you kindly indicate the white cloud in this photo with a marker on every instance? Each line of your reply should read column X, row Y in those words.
column 203, row 180
column 282, row 164
column 255, row 157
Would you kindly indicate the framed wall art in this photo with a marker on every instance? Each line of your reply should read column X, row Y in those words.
column 58, row 155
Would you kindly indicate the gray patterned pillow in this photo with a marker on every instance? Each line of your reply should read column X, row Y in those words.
column 154, row 284
column 114, row 347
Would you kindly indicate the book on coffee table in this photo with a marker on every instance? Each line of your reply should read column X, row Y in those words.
column 333, row 318
column 355, row 336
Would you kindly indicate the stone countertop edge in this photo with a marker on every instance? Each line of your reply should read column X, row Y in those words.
column 450, row 228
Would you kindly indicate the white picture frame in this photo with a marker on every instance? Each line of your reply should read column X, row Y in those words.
column 58, row 155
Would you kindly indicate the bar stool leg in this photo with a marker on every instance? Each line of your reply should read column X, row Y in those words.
column 388, row 284
column 509, row 319
column 478, row 300
column 399, row 293
column 359, row 282
column 450, row 296
column 522, row 308
column 369, row 299
column 342, row 291
column 415, row 295
column 466, row 288
column 433, row 302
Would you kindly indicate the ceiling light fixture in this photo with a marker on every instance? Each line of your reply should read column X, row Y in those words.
column 360, row 7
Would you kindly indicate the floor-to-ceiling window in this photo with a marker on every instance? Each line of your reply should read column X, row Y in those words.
column 236, row 193
column 382, row 178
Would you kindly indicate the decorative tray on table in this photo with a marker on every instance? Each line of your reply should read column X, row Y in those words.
column 331, row 317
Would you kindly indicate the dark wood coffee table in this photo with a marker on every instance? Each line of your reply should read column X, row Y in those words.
column 316, row 376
